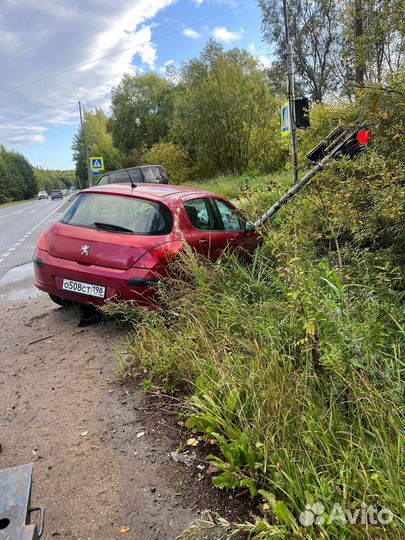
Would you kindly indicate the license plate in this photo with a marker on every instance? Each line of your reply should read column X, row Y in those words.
column 83, row 288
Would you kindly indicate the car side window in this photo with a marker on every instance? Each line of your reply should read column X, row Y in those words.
column 151, row 174
column 201, row 214
column 118, row 177
column 136, row 175
column 232, row 222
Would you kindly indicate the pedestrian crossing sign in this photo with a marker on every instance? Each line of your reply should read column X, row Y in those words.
column 285, row 120
column 97, row 163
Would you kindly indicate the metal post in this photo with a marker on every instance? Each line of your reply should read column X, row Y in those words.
column 333, row 148
column 290, row 194
column 290, row 87
column 86, row 150
column 359, row 49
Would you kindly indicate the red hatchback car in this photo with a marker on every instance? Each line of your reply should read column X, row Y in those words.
column 114, row 241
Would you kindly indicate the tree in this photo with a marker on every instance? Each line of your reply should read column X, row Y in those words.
column 17, row 179
column 141, row 108
column 222, row 109
column 316, row 39
column 54, row 179
column 5, row 176
column 172, row 157
column 375, row 37
column 99, row 141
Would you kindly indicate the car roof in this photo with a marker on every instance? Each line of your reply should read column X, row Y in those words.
column 131, row 168
column 148, row 191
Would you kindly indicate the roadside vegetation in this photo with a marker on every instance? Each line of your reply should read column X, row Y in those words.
column 20, row 181
column 291, row 367
column 294, row 364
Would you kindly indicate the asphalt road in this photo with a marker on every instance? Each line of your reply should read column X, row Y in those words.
column 20, row 227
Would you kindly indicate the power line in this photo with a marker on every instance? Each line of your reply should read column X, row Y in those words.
column 161, row 36
column 6, row 113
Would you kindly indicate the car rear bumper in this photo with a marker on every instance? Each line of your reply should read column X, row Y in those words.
column 133, row 284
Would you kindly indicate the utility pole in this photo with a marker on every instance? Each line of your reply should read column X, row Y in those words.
column 86, row 150
column 290, row 88
column 359, row 49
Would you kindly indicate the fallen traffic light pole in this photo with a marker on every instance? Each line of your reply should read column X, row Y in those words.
column 338, row 143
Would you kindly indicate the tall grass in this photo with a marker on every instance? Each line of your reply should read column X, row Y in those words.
column 294, row 366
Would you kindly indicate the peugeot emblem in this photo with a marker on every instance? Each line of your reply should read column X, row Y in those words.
column 85, row 250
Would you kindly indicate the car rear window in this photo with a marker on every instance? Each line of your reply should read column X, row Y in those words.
column 126, row 215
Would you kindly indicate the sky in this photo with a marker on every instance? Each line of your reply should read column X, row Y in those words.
column 48, row 48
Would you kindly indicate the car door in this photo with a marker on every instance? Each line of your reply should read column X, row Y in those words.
column 202, row 227
column 234, row 227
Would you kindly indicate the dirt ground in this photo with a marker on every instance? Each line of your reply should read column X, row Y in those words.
column 101, row 450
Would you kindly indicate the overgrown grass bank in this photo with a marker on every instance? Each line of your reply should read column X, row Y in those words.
column 294, row 364
column 295, row 367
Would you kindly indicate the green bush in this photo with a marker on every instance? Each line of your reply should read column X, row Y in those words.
column 295, row 371
column 173, row 158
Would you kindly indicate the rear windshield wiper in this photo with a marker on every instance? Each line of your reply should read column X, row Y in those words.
column 111, row 227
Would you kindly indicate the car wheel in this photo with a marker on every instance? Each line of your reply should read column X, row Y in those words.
column 61, row 301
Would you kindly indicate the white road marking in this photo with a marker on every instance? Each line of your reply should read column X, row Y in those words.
column 1, row 260
column 32, row 230
column 46, row 217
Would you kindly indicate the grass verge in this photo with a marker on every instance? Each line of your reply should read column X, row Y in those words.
column 14, row 203
column 294, row 366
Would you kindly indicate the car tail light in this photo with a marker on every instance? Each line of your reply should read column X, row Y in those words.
column 159, row 255
column 42, row 243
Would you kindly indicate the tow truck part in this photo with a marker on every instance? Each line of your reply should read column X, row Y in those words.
column 15, row 505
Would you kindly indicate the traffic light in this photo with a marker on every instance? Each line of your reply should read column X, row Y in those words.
column 340, row 142
column 354, row 143
column 302, row 113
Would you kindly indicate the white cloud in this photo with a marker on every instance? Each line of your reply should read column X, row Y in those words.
column 252, row 48
column 19, row 134
column 36, row 138
column 190, row 33
column 264, row 62
column 41, row 37
column 166, row 65
column 223, row 34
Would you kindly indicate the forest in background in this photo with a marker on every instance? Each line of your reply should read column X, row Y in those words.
column 219, row 113
column 19, row 180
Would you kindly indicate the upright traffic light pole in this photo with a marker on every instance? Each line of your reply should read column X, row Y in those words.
column 86, row 150
column 290, row 86
column 358, row 32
